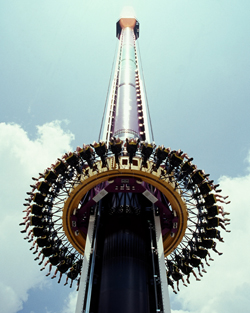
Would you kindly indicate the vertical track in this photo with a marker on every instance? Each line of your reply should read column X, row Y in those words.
column 126, row 116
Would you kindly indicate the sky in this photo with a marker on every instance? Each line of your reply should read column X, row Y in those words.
column 55, row 64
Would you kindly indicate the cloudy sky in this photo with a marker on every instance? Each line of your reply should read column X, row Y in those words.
column 55, row 64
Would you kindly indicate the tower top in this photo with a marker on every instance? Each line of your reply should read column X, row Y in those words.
column 127, row 19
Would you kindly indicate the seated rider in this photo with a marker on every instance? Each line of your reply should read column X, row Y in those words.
column 146, row 150
column 212, row 222
column 86, row 153
column 57, row 256
column 176, row 158
column 64, row 265
column 115, row 146
column 101, row 150
column 161, row 153
column 198, row 176
column 186, row 169
column 175, row 273
column 192, row 259
column 199, row 251
column 74, row 272
column 131, row 146
column 60, row 167
column 73, row 160
column 185, row 267
column 170, row 282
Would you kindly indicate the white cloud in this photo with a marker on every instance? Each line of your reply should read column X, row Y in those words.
column 225, row 287
column 20, row 159
column 10, row 301
column 70, row 303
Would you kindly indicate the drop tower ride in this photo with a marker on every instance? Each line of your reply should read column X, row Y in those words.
column 125, row 265
column 123, row 217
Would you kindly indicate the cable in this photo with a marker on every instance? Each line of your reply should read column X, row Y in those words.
column 105, row 106
column 144, row 85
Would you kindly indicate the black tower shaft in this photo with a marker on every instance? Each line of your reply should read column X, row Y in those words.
column 124, row 279
column 125, row 263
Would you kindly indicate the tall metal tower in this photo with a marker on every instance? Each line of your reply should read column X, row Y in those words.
column 121, row 216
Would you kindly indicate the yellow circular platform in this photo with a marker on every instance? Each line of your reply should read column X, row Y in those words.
column 91, row 178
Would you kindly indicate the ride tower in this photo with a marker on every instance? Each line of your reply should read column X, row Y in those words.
column 122, row 255
column 123, row 217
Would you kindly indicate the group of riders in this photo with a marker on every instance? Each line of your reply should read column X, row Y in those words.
column 43, row 217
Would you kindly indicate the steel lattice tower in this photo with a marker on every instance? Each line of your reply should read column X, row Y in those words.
column 121, row 216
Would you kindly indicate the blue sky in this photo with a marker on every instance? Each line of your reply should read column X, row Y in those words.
column 55, row 64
